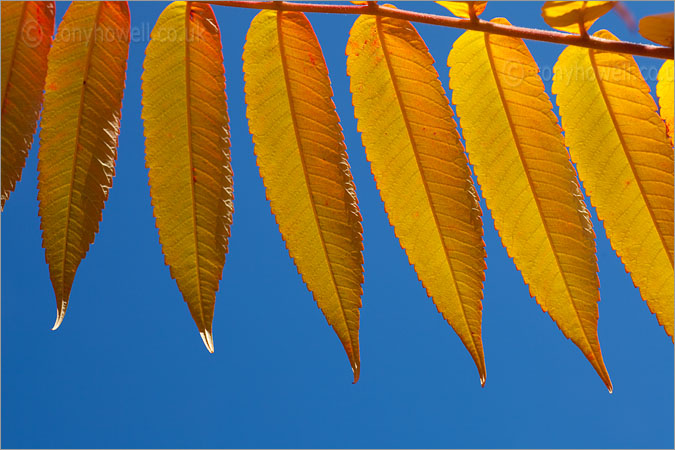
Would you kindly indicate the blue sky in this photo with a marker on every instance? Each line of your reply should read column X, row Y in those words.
column 128, row 368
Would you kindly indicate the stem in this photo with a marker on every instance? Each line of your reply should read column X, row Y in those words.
column 652, row 51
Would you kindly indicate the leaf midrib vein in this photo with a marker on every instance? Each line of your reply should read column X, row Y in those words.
column 78, row 129
column 188, row 107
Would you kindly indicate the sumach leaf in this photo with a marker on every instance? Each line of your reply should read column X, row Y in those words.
column 420, row 168
column 625, row 161
column 187, row 152
column 658, row 28
column 463, row 9
column 303, row 163
column 664, row 90
column 517, row 150
column 571, row 16
column 27, row 29
column 80, row 126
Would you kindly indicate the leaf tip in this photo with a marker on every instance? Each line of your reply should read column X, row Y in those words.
column 207, row 337
column 356, row 368
column 608, row 383
column 60, row 314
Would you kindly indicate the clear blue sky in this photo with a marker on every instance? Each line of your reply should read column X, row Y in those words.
column 128, row 368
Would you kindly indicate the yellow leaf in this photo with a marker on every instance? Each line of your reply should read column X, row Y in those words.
column 187, row 151
column 27, row 29
column 517, row 150
column 78, row 141
column 658, row 28
column 463, row 9
column 625, row 161
column 420, row 168
column 664, row 90
column 303, row 163
column 570, row 16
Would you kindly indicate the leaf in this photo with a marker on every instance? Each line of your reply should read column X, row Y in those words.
column 27, row 29
column 420, row 168
column 658, row 28
column 303, row 163
column 187, row 152
column 80, row 126
column 464, row 9
column 625, row 161
column 664, row 90
column 570, row 16
column 515, row 145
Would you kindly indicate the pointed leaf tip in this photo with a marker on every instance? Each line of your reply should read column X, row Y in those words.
column 207, row 337
column 60, row 314
column 357, row 372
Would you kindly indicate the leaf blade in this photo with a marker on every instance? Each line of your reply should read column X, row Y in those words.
column 658, row 28
column 84, row 88
column 519, row 157
column 464, row 9
column 634, row 189
column 664, row 90
column 303, row 163
column 571, row 16
column 420, row 168
column 189, row 166
column 27, row 29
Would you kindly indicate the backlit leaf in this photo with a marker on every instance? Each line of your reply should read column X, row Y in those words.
column 658, row 28
column 664, row 90
column 27, row 29
column 570, row 16
column 420, row 168
column 78, row 141
column 625, row 161
column 517, row 150
column 187, row 152
column 303, row 163
column 463, row 9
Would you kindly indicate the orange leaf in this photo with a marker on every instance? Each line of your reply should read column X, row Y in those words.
column 664, row 90
column 80, row 126
column 658, row 28
column 27, row 29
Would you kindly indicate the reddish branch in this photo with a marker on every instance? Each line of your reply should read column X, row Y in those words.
column 652, row 51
